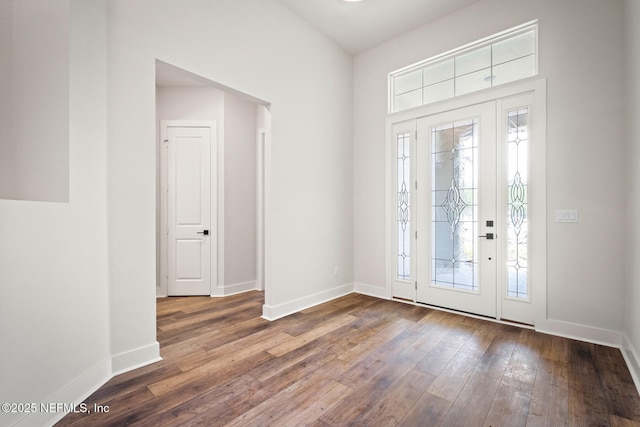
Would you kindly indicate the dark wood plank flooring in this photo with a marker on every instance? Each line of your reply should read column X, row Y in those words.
column 360, row 361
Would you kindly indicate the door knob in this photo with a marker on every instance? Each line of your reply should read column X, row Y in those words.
column 488, row 236
column 205, row 232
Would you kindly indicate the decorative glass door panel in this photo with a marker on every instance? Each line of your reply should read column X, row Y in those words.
column 515, row 121
column 403, row 145
column 456, row 202
column 403, row 166
column 454, row 194
column 517, row 218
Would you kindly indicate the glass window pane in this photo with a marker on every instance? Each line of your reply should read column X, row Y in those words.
column 464, row 134
column 438, row 72
column 403, row 147
column 469, row 69
column 473, row 82
column 443, row 138
column 407, row 82
column 514, row 70
column 514, row 47
column 473, row 61
column 454, row 176
column 517, row 202
column 438, row 92
column 408, row 100
column 442, row 171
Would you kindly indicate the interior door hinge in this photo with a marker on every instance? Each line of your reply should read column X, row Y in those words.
column 416, row 185
column 416, row 134
column 416, row 234
column 416, row 283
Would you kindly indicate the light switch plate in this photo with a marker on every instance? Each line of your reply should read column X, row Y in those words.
column 567, row 215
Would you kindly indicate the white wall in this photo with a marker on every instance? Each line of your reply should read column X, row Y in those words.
column 54, row 320
column 632, row 130
column 6, row 52
column 240, row 192
column 581, row 57
column 247, row 46
column 35, row 89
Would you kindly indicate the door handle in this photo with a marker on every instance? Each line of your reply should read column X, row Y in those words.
column 205, row 232
column 488, row 236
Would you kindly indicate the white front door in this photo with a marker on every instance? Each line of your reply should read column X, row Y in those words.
column 189, row 226
column 468, row 205
column 456, row 209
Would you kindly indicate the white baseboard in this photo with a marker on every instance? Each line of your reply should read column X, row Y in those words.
column 578, row 332
column 136, row 358
column 373, row 291
column 237, row 288
column 72, row 394
column 282, row 310
column 633, row 361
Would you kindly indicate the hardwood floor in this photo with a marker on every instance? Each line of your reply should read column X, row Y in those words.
column 360, row 361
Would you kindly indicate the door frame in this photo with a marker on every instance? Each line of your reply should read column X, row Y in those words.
column 217, row 203
column 263, row 201
column 537, row 193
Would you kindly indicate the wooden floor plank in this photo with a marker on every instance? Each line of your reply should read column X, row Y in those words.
column 429, row 410
column 360, row 361
column 549, row 401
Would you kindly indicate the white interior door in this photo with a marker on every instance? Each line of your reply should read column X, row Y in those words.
column 189, row 225
column 456, row 210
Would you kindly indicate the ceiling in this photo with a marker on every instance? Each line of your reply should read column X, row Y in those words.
column 362, row 25
column 355, row 26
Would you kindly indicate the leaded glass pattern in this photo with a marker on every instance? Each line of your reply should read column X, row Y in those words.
column 517, row 202
column 403, row 142
column 454, row 205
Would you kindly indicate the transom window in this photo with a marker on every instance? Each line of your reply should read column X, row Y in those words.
column 502, row 58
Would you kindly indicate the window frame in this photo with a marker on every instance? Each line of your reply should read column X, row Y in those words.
column 459, row 52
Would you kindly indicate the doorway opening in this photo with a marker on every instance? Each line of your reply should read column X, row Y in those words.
column 212, row 216
column 467, row 204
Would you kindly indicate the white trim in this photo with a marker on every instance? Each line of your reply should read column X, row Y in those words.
column 591, row 334
column 261, row 141
column 219, row 211
column 267, row 201
column 631, row 358
column 531, row 84
column 136, row 358
column 390, row 207
column 236, row 288
column 73, row 392
column 372, row 291
column 287, row 308
column 263, row 201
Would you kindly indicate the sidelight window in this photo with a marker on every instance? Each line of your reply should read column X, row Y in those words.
column 403, row 141
column 517, row 190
